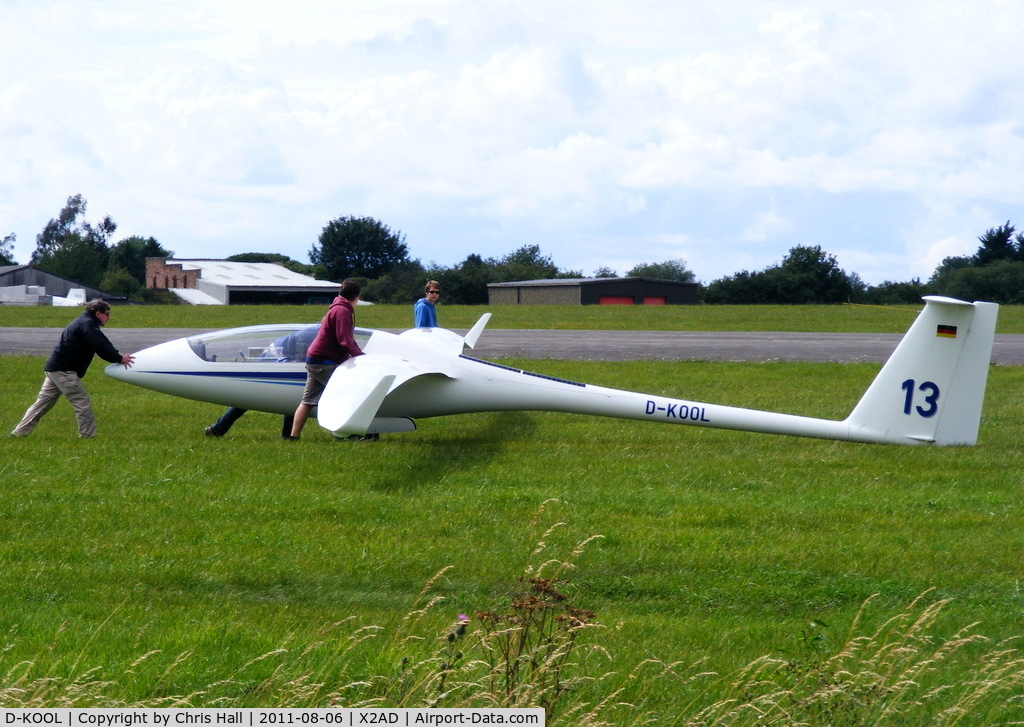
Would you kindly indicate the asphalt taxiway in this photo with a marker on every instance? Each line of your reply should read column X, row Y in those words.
column 592, row 345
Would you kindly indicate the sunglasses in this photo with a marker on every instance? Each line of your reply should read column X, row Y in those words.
column 435, row 292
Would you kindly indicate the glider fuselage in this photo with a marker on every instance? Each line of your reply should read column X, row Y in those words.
column 929, row 391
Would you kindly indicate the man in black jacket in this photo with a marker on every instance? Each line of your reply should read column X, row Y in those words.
column 81, row 340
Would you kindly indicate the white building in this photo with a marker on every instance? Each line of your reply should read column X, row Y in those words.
column 221, row 282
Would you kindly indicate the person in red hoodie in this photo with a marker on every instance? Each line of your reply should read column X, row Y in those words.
column 333, row 345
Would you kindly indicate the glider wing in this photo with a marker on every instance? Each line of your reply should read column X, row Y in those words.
column 358, row 387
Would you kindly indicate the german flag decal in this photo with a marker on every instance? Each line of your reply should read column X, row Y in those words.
column 946, row 331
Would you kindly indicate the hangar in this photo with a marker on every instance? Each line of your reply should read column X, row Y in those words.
column 222, row 282
column 27, row 285
column 593, row 291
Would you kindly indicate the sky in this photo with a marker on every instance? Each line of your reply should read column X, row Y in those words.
column 607, row 133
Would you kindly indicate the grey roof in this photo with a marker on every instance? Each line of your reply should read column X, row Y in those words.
column 195, row 297
column 233, row 274
column 55, row 284
column 546, row 282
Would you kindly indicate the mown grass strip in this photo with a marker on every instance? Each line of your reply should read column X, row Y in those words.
column 811, row 318
column 716, row 547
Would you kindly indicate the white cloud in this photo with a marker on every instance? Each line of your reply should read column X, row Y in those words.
column 599, row 132
column 766, row 226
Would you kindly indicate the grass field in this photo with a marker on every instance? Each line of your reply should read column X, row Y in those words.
column 154, row 564
column 812, row 318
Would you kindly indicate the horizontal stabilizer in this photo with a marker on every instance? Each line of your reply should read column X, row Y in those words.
column 440, row 339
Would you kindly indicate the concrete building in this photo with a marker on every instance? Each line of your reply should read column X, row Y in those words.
column 221, row 282
column 593, row 291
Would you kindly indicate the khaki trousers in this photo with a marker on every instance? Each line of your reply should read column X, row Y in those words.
column 55, row 384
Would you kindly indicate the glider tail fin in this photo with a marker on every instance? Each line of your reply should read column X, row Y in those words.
column 932, row 388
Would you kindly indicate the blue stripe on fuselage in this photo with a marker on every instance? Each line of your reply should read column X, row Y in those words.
column 291, row 378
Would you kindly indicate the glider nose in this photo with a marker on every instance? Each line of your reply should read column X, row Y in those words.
column 148, row 361
column 114, row 371
column 125, row 373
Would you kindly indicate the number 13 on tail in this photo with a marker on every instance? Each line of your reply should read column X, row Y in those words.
column 930, row 394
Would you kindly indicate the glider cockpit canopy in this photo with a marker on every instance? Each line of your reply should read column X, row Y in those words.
column 272, row 343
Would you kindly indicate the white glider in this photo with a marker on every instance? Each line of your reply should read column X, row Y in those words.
column 930, row 391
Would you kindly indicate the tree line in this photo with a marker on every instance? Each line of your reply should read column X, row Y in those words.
column 368, row 250
column 73, row 248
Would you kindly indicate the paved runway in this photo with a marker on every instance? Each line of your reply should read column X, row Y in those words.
column 592, row 345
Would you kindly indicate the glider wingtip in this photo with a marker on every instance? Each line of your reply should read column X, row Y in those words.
column 354, row 416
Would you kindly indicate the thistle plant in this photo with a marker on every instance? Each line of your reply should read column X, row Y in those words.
column 521, row 652
column 529, row 647
column 534, row 648
column 451, row 655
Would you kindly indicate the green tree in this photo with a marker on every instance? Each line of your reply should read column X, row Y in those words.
column 78, row 259
column 948, row 265
column 72, row 248
column 806, row 275
column 744, row 287
column 998, row 243
column 259, row 257
column 892, row 292
column 358, row 247
column 605, row 272
column 7, row 250
column 402, row 284
column 998, row 282
column 465, row 283
column 129, row 255
column 527, row 263
column 810, row 275
column 993, row 273
column 120, row 282
column 667, row 270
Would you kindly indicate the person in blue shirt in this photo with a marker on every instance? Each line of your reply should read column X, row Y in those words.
column 424, row 313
